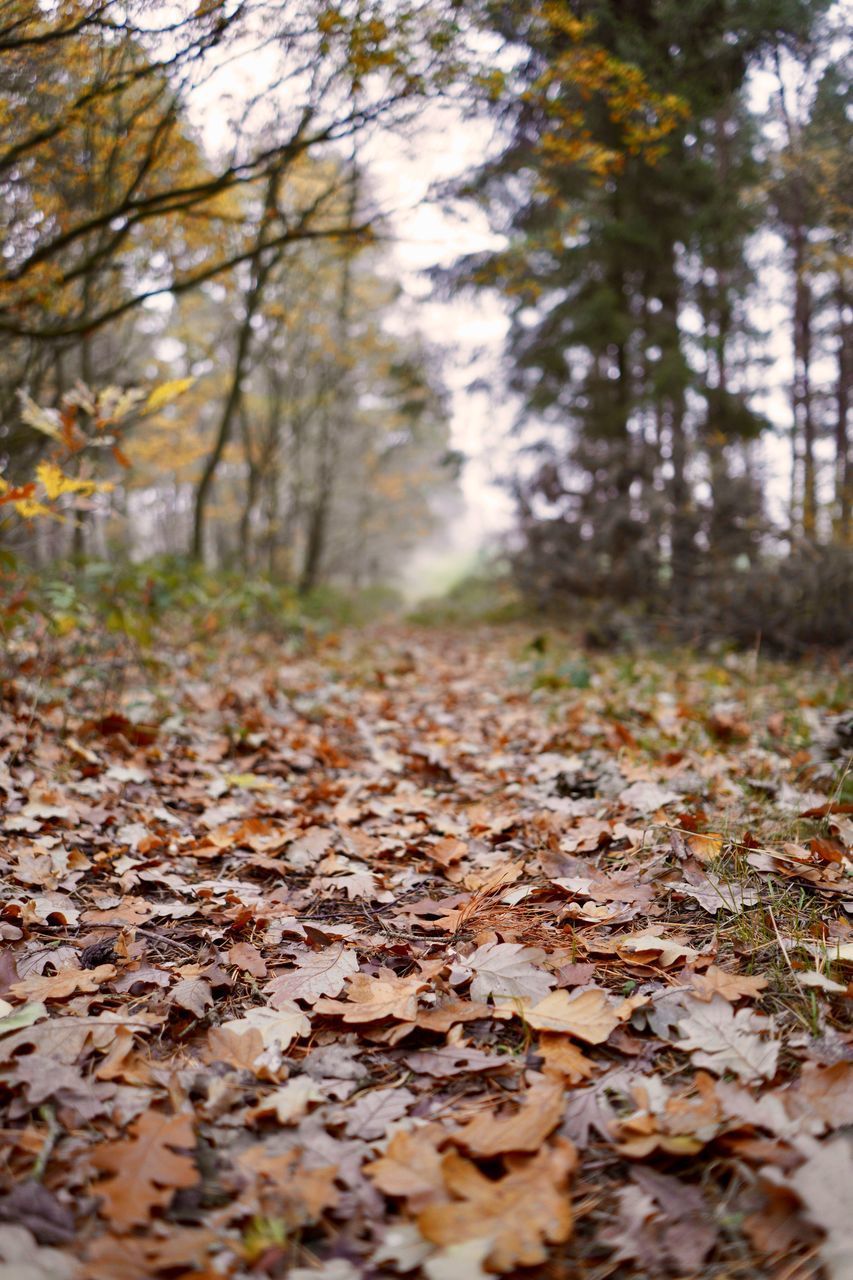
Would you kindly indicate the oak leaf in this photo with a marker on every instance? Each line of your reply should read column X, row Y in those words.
column 374, row 999
column 648, row 947
column 146, row 1170
column 563, row 1058
column 519, row 1212
column 67, row 982
column 489, row 1135
column 275, row 1026
column 589, row 1016
column 410, row 1167
column 718, row 1038
column 318, row 973
column 731, row 986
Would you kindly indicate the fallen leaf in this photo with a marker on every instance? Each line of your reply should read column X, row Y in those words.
column 317, row 973
column 374, row 999
column 247, row 958
column 67, row 982
column 508, row 971
column 410, row 1168
column 289, row 1103
column 518, row 1213
column 370, row 1114
column 146, row 1168
column 589, row 1016
column 540, row 1112
column 718, row 1038
column 823, row 1184
column 720, row 982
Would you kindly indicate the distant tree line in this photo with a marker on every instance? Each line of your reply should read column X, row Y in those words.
column 311, row 441
column 638, row 345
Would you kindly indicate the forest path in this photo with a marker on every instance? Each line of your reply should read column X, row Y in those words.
column 423, row 951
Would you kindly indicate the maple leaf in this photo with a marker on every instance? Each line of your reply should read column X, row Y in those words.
column 318, row 973
column 146, row 1169
column 508, row 970
column 718, row 1038
column 518, row 1213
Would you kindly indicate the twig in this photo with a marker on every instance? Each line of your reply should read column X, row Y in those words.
column 47, row 1113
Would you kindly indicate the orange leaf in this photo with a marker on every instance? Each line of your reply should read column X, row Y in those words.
column 146, row 1169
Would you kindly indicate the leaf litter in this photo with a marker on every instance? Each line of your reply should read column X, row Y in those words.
column 374, row 958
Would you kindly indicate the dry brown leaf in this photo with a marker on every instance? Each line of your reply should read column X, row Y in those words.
column 410, row 1167
column 589, row 1016
column 563, row 1058
column 441, row 1017
column 720, row 982
column 540, row 1112
column 317, row 973
column 373, row 999
column 647, row 947
column 193, row 994
column 300, row 1195
column 519, row 1213
column 247, row 958
column 67, row 982
column 146, row 1168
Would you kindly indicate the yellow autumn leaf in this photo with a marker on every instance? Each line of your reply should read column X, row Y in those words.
column 28, row 508
column 166, row 393
column 249, row 781
column 56, row 482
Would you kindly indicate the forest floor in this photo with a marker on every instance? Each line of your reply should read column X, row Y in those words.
column 425, row 953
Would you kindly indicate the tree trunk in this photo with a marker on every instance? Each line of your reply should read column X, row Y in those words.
column 260, row 270
column 843, row 460
column 802, row 392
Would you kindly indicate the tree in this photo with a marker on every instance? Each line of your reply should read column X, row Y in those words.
column 605, row 256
